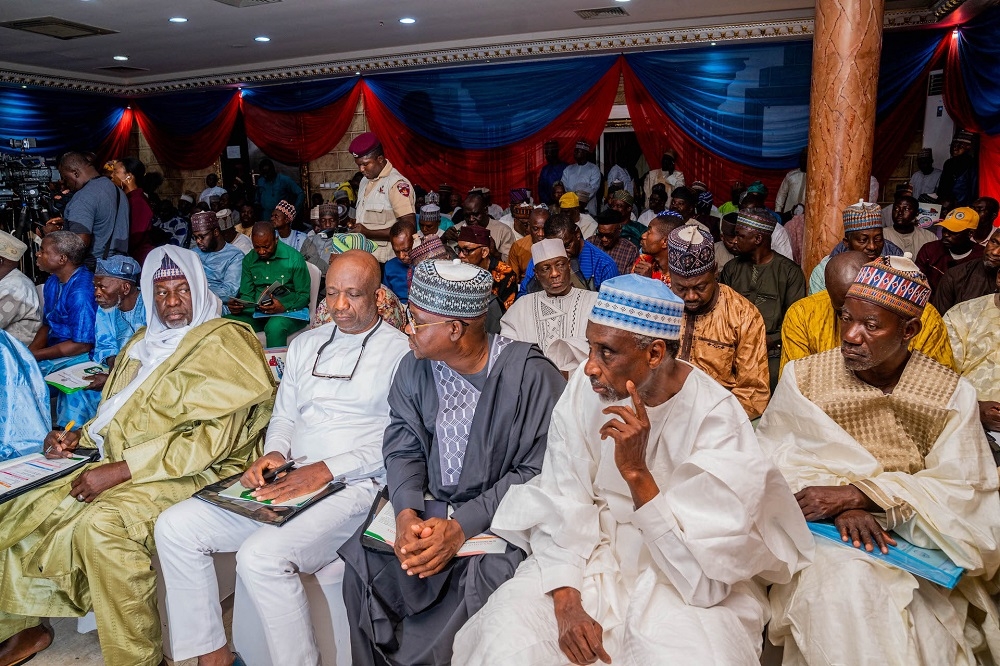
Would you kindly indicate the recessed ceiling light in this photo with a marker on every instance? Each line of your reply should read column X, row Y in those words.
column 357, row 73
column 407, row 20
column 121, row 58
column 621, row 0
column 262, row 38
column 713, row 43
column 178, row 19
column 25, row 87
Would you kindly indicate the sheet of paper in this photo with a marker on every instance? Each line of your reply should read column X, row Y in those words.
column 239, row 492
column 28, row 469
column 383, row 528
column 75, row 377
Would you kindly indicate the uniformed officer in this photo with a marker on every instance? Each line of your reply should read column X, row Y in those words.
column 385, row 196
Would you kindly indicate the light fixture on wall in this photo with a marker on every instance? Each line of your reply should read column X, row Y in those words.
column 407, row 20
column 178, row 19
column 261, row 38
column 121, row 58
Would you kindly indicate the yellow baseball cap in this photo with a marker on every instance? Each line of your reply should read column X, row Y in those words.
column 960, row 219
column 569, row 200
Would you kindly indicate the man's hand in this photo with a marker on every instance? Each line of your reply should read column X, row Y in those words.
column 274, row 307
column 54, row 448
column 98, row 381
column 438, row 541
column 254, row 476
column 406, row 536
column 296, row 483
column 360, row 229
column 643, row 268
column 54, row 224
column 631, row 433
column 989, row 414
column 235, row 307
column 580, row 636
column 95, row 481
column 450, row 235
column 858, row 526
column 823, row 502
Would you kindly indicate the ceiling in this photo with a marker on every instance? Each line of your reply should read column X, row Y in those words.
column 218, row 39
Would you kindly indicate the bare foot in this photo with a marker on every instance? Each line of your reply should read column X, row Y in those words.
column 25, row 644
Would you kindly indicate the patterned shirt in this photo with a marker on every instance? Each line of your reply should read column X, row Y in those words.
column 624, row 253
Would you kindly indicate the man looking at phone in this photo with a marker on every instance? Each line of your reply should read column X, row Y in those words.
column 331, row 410
column 271, row 262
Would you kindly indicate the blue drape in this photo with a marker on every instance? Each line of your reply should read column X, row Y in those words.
column 487, row 106
column 58, row 119
column 905, row 55
column 979, row 56
column 298, row 97
column 185, row 112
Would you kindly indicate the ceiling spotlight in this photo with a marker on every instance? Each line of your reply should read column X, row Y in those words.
column 407, row 20
column 121, row 58
column 25, row 87
column 357, row 73
column 262, row 38
column 713, row 43
column 178, row 19
column 621, row 0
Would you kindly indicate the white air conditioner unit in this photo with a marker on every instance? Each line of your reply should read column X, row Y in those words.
column 939, row 128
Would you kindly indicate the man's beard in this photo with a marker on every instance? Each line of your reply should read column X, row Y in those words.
column 177, row 324
column 859, row 363
column 611, row 394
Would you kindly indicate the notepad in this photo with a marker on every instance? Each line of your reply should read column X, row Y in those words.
column 929, row 564
column 238, row 492
column 19, row 475
column 75, row 377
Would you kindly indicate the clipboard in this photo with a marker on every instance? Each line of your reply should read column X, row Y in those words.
column 267, row 515
column 87, row 456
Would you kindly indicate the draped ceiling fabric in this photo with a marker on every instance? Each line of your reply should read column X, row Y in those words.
column 414, row 138
column 188, row 130
column 58, row 120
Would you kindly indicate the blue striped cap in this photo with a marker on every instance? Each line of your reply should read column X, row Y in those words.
column 639, row 305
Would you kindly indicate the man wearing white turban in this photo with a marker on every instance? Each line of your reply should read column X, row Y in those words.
column 175, row 416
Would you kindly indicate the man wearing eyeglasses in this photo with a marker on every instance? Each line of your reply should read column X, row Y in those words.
column 329, row 417
column 469, row 420
column 608, row 237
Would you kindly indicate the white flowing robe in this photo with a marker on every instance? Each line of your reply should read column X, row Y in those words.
column 672, row 582
column 848, row 608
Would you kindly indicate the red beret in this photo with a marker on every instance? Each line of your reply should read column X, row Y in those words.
column 364, row 144
column 472, row 233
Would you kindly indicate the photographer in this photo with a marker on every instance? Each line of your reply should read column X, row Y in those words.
column 98, row 211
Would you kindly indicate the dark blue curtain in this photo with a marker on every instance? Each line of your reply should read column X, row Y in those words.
column 58, row 119
column 905, row 55
column 487, row 106
column 979, row 55
column 185, row 113
column 298, row 97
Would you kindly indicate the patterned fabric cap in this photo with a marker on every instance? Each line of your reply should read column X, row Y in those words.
column 960, row 219
column 582, row 195
column 668, row 212
column 520, row 195
column 963, row 137
column 622, row 195
column 699, row 186
column 705, row 198
column 187, row 197
column 583, row 144
column 227, row 219
column 640, row 305
column 119, row 266
column 432, row 198
column 757, row 187
column 327, row 210
column 569, row 200
column 10, row 247
column 430, row 248
column 893, row 283
column 550, row 248
column 340, row 243
column 430, row 212
column 363, row 144
column 926, row 152
column 168, row 270
column 690, row 251
column 861, row 216
column 204, row 221
column 757, row 219
column 451, row 289
column 286, row 208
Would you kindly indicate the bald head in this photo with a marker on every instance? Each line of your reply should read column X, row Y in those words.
column 840, row 273
column 352, row 281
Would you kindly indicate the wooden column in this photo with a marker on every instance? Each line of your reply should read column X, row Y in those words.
column 846, row 47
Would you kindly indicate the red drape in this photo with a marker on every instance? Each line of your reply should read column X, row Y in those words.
column 430, row 164
column 989, row 166
column 299, row 137
column 894, row 133
column 192, row 151
column 116, row 143
column 656, row 131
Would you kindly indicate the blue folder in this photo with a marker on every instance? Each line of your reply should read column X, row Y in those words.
column 932, row 565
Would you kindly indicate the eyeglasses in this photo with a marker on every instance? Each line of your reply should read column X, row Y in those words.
column 319, row 353
column 413, row 327
column 466, row 251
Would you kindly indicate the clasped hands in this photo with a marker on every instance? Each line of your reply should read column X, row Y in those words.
column 851, row 512
column 424, row 547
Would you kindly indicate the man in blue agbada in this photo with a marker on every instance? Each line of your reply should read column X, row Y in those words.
column 121, row 312
column 66, row 336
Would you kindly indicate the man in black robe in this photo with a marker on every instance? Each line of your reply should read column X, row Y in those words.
column 469, row 417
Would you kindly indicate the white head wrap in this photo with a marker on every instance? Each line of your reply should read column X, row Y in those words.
column 550, row 248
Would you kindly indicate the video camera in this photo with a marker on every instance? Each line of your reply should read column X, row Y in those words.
column 24, row 180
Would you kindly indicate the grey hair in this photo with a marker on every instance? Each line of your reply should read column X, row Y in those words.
column 69, row 245
column 642, row 342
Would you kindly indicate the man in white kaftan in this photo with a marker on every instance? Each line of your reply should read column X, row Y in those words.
column 559, row 312
column 331, row 410
column 651, row 535
column 886, row 443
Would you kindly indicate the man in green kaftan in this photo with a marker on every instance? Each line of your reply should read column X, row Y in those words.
column 184, row 406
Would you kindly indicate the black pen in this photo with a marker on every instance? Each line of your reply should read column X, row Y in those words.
column 271, row 474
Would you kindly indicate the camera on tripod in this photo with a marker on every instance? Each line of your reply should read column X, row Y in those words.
column 25, row 199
